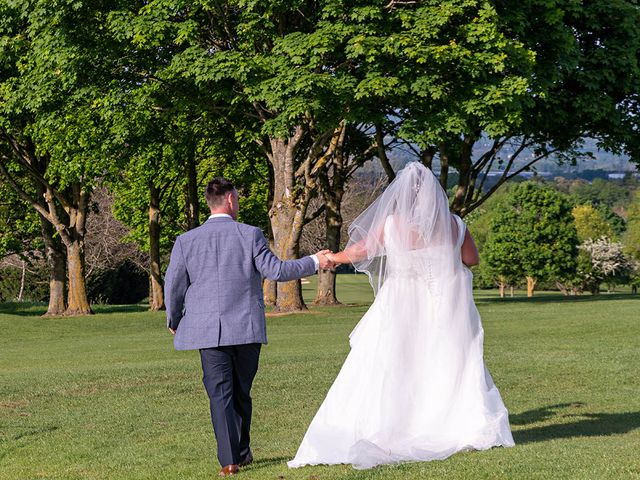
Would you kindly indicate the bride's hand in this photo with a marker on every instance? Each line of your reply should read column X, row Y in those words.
column 332, row 258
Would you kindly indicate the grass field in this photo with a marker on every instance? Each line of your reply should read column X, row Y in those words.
column 106, row 397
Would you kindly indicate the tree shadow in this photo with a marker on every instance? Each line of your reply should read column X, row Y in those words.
column 132, row 308
column 266, row 462
column 23, row 309
column 585, row 424
column 556, row 298
column 33, row 309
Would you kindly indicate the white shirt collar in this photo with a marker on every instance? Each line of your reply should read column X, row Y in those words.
column 220, row 215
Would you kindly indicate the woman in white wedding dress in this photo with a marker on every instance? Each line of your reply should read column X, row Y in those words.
column 414, row 386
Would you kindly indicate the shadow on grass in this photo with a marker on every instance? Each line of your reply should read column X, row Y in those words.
column 33, row 309
column 581, row 425
column 541, row 414
column 32, row 432
column 23, row 309
column 555, row 298
column 266, row 462
column 138, row 307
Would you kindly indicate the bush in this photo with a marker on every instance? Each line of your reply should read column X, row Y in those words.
column 36, row 284
column 124, row 284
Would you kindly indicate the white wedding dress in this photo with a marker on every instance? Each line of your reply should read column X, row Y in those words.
column 414, row 386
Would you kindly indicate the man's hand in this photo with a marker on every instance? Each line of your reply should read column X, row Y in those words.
column 325, row 263
column 173, row 332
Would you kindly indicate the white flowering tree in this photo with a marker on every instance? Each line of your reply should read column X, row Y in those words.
column 606, row 263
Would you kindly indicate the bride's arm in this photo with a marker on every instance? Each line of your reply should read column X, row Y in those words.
column 354, row 253
column 469, row 251
column 357, row 251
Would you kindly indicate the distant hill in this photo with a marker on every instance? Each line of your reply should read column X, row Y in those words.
column 601, row 165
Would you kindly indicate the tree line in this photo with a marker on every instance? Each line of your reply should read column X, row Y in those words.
column 572, row 236
column 149, row 99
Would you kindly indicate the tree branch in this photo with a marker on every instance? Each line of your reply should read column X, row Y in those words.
column 22, row 194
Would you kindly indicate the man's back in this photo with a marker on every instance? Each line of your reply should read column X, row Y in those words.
column 213, row 286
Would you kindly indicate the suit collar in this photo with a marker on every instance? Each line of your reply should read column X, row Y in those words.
column 220, row 219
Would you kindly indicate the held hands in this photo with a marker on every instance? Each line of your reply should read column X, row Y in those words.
column 327, row 262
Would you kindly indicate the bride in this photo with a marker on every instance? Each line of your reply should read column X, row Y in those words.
column 414, row 386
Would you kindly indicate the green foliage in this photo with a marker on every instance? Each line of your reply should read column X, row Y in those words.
column 461, row 72
column 36, row 283
column 124, row 284
column 479, row 223
column 56, row 81
column 533, row 235
column 590, row 223
column 631, row 238
column 600, row 192
column 19, row 225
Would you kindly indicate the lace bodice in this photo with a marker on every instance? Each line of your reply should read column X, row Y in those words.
column 430, row 263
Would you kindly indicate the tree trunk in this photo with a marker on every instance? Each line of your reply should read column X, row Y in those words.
column 326, row 291
column 465, row 187
column 22, row 278
column 156, row 293
column 270, row 289
column 426, row 156
column 501, row 287
column 192, row 207
column 444, row 167
column 56, row 261
column 294, row 180
column 73, row 238
column 287, row 215
column 382, row 153
column 511, row 290
column 531, row 285
column 77, row 301
column 286, row 231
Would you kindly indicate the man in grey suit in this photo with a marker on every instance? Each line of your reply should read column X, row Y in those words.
column 214, row 300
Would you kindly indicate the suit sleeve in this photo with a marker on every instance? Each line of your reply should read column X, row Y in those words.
column 273, row 268
column 176, row 282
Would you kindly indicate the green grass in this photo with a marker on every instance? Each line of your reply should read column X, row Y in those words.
column 106, row 397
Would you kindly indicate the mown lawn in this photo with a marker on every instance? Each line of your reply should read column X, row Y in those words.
column 106, row 397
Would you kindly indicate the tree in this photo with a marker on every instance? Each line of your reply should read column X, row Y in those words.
column 631, row 238
column 353, row 150
column 19, row 233
column 533, row 236
column 499, row 270
column 600, row 192
column 56, row 66
column 281, row 75
column 607, row 263
column 590, row 223
column 531, row 80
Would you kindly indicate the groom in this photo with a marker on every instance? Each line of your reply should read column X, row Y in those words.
column 214, row 300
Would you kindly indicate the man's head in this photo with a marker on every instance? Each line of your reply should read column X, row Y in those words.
column 222, row 197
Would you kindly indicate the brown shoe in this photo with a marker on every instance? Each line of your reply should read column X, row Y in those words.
column 247, row 460
column 229, row 470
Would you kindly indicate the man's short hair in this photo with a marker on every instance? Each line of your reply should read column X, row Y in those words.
column 217, row 190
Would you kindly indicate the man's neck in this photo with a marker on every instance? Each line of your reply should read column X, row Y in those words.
column 220, row 214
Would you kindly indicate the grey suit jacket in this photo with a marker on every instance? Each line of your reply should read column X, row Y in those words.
column 213, row 285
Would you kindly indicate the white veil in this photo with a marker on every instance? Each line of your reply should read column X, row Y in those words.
column 410, row 217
